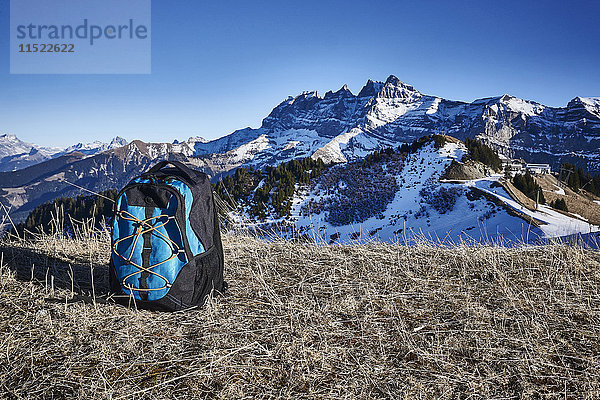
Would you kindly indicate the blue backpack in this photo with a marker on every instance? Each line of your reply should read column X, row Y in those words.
column 166, row 245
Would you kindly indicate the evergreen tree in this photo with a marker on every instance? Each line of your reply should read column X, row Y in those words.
column 578, row 179
column 273, row 187
column 559, row 204
column 483, row 153
column 81, row 208
column 527, row 185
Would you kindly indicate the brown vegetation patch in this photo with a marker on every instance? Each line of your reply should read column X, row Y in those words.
column 309, row 321
column 465, row 171
column 579, row 203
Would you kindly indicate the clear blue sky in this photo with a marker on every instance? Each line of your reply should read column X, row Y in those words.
column 223, row 65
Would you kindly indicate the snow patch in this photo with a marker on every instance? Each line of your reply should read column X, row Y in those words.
column 291, row 144
column 332, row 151
column 524, row 106
column 246, row 152
column 559, row 190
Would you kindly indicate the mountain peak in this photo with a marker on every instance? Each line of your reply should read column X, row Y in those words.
column 96, row 146
column 590, row 106
column 591, row 101
column 344, row 89
column 392, row 79
column 395, row 88
column 370, row 89
column 391, row 88
column 340, row 93
column 197, row 139
column 118, row 141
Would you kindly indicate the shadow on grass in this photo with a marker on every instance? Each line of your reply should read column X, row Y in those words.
column 86, row 281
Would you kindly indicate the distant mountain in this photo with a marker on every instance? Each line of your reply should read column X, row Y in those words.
column 16, row 154
column 340, row 126
column 96, row 147
column 63, row 176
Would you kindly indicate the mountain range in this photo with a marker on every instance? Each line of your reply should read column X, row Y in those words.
column 337, row 127
column 16, row 154
column 340, row 126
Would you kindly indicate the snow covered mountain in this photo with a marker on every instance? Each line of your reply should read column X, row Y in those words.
column 96, row 146
column 341, row 126
column 405, row 198
column 16, row 154
column 335, row 127
column 63, row 176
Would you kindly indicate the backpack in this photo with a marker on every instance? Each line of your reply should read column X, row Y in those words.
column 166, row 245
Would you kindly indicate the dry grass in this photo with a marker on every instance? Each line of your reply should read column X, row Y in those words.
column 517, row 195
column 307, row 321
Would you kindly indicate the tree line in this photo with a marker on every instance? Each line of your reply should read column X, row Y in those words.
column 529, row 187
column 438, row 141
column 276, row 190
column 578, row 178
column 69, row 210
column 483, row 153
column 272, row 187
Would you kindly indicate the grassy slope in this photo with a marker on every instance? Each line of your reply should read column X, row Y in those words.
column 305, row 321
column 578, row 203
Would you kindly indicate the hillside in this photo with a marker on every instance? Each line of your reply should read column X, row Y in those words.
column 437, row 187
column 309, row 321
column 23, row 190
column 432, row 188
column 584, row 204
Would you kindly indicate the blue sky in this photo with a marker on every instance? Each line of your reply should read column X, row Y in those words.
column 221, row 66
